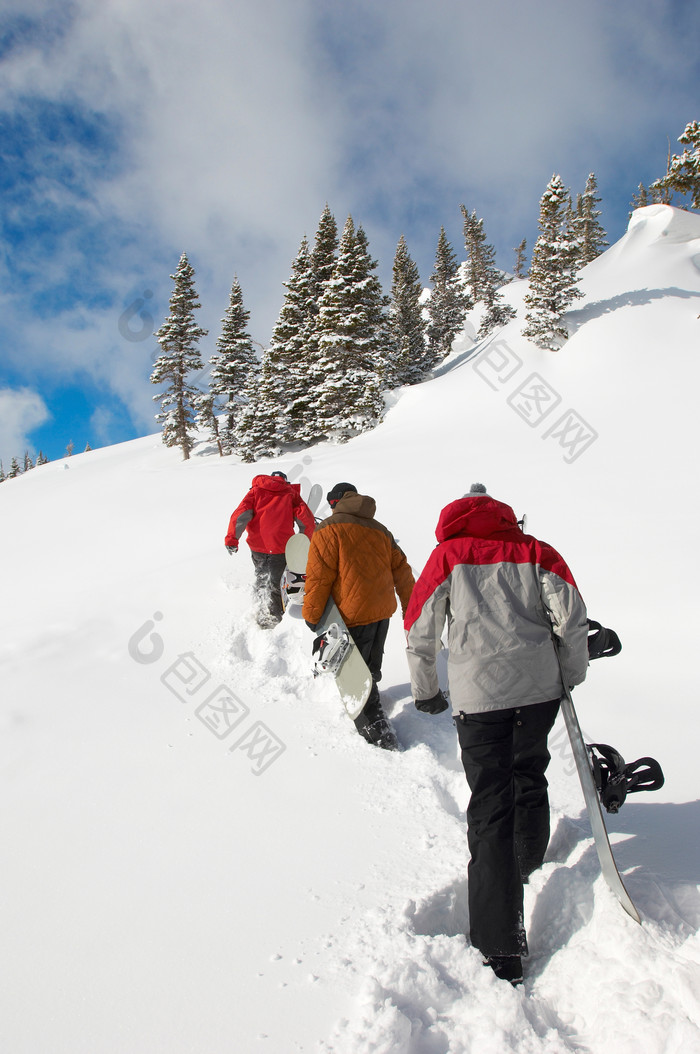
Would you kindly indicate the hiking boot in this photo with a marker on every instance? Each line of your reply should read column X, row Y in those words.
column 506, row 967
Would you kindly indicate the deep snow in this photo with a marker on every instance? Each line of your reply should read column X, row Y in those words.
column 283, row 886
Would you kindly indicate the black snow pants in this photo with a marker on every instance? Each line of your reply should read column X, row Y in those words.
column 505, row 756
column 371, row 723
column 269, row 568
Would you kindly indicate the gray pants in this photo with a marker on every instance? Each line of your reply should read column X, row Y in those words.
column 269, row 568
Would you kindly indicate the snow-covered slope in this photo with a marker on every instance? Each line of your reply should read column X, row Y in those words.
column 285, row 887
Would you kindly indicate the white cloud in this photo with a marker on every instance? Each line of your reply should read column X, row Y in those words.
column 21, row 411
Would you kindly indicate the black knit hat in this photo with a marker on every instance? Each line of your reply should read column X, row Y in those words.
column 333, row 496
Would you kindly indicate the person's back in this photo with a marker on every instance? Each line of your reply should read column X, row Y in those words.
column 356, row 560
column 268, row 513
column 513, row 610
column 507, row 592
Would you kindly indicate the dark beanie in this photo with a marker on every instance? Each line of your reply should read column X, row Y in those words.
column 337, row 492
column 278, row 473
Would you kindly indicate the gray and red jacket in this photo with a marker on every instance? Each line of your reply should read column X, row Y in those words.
column 269, row 511
column 506, row 597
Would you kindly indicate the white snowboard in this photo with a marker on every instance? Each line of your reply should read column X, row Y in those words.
column 353, row 678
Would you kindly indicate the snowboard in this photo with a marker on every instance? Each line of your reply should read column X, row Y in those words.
column 608, row 866
column 334, row 648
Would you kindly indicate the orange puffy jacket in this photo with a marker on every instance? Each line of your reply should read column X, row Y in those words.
column 355, row 559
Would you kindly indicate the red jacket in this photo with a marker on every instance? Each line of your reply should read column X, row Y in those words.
column 269, row 511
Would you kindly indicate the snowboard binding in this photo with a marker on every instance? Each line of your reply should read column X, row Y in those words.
column 614, row 779
column 292, row 588
column 330, row 649
column 602, row 642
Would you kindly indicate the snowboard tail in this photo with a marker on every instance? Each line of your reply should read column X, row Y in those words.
column 608, row 866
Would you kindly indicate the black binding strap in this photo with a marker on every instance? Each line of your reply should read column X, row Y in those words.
column 602, row 642
column 615, row 780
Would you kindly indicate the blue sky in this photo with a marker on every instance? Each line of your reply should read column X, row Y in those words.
column 131, row 132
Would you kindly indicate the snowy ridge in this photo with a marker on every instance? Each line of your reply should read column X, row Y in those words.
column 169, row 887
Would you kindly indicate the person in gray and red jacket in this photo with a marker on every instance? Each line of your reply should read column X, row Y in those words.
column 269, row 512
column 514, row 614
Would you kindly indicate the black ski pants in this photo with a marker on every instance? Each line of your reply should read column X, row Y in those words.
column 505, row 756
column 269, row 568
column 370, row 640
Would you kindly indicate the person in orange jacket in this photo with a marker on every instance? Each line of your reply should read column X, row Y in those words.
column 356, row 560
column 269, row 512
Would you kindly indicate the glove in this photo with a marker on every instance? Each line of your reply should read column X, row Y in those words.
column 232, row 549
column 311, row 625
column 436, row 705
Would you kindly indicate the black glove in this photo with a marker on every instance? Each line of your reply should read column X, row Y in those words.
column 232, row 549
column 311, row 625
column 436, row 705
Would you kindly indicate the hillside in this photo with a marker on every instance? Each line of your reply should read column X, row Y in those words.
column 165, row 889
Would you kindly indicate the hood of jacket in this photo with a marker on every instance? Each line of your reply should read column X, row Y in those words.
column 479, row 516
column 352, row 504
column 275, row 484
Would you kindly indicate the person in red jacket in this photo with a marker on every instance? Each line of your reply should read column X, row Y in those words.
column 269, row 512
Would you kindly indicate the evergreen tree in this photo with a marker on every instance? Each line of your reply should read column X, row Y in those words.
column 640, row 199
column 15, row 469
column 3, row 477
column 323, row 256
column 206, row 418
column 256, row 430
column 351, row 327
column 483, row 278
column 590, row 232
column 683, row 170
column 87, row 447
column 179, row 337
column 231, row 367
column 406, row 323
column 41, row 460
column 28, row 463
column 553, row 271
column 519, row 269
column 447, row 305
column 293, row 354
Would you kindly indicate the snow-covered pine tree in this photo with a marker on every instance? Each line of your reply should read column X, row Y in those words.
column 352, row 329
column 28, row 463
column 3, row 477
column 41, row 460
column 231, row 366
column 640, row 199
column 15, row 469
column 87, row 448
column 292, row 355
column 206, row 418
column 519, row 268
column 179, row 338
column 406, row 323
column 591, row 235
column 683, row 173
column 482, row 276
column 553, row 271
column 447, row 305
column 323, row 256
column 256, row 430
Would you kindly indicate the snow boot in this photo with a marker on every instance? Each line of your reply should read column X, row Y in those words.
column 506, row 967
